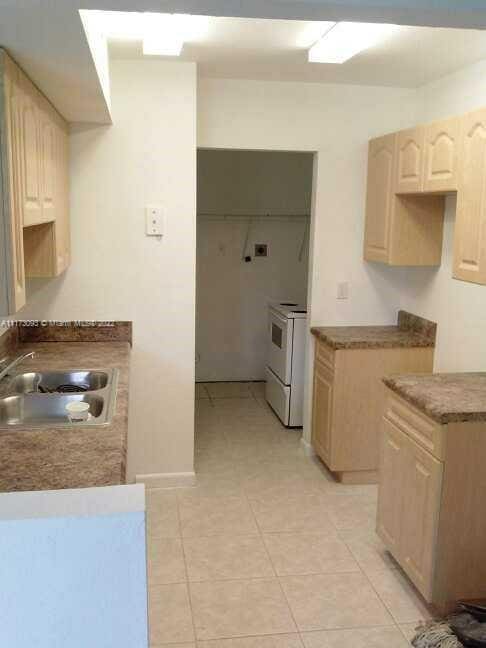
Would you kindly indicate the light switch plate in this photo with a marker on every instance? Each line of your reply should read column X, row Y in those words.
column 154, row 221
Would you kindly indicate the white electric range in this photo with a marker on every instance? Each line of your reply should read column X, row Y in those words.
column 284, row 390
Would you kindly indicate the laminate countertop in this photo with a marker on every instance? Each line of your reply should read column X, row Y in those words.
column 445, row 398
column 57, row 458
column 411, row 331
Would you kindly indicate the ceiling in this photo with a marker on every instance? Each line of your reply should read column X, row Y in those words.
column 47, row 39
column 277, row 50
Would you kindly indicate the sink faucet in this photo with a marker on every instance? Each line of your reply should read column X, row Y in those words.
column 15, row 362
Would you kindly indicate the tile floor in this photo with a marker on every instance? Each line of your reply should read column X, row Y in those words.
column 267, row 551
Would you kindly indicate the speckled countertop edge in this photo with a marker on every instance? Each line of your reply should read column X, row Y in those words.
column 445, row 398
column 57, row 458
column 411, row 331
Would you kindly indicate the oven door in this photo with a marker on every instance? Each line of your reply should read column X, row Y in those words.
column 281, row 331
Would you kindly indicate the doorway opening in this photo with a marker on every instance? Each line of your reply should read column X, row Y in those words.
column 253, row 232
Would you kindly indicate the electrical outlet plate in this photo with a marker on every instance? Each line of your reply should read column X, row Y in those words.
column 261, row 249
column 154, row 221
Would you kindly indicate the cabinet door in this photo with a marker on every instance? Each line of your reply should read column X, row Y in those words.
column 379, row 196
column 470, row 229
column 31, row 185
column 48, row 161
column 62, row 225
column 410, row 152
column 13, row 119
column 420, row 517
column 322, row 411
column 441, row 155
column 390, row 492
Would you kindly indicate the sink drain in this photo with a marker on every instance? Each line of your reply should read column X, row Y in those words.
column 64, row 389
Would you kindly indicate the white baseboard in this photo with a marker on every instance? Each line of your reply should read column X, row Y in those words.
column 167, row 480
column 308, row 449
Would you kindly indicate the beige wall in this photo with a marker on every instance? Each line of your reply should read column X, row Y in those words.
column 254, row 182
column 336, row 121
column 148, row 156
column 232, row 296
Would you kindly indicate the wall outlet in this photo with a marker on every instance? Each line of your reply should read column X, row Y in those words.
column 343, row 290
column 154, row 221
column 261, row 250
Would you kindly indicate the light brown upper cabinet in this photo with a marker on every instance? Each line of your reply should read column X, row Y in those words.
column 441, row 158
column 409, row 174
column 410, row 161
column 34, row 186
column 402, row 230
column 379, row 197
column 470, row 228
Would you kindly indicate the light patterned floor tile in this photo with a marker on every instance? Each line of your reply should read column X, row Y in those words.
column 350, row 512
column 272, row 462
column 162, row 515
column 170, row 619
column 226, row 557
column 357, row 638
column 182, row 645
column 253, row 433
column 299, row 553
column 216, row 516
column 316, row 531
column 268, row 641
column 409, row 630
column 368, row 550
column 399, row 596
column 240, row 608
column 275, row 484
column 201, row 391
column 165, row 560
column 263, row 450
column 305, row 514
column 333, row 601
column 229, row 390
column 258, row 389
column 213, row 485
column 215, row 460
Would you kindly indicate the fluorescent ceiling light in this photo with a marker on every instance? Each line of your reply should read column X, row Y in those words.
column 346, row 39
column 162, row 35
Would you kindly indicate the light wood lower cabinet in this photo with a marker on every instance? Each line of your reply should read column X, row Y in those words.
column 409, row 502
column 348, row 405
column 322, row 411
column 392, row 473
column 34, row 209
column 429, row 512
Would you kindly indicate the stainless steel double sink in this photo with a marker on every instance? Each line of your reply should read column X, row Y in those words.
column 39, row 399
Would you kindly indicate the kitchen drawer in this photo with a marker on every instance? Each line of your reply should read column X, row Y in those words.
column 426, row 432
column 325, row 355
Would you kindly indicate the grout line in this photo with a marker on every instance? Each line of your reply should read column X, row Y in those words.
column 189, row 596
